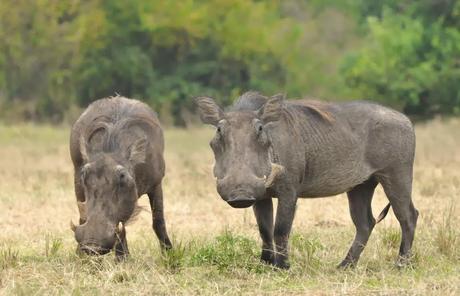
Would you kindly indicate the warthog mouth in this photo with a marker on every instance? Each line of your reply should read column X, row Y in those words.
column 94, row 250
column 241, row 202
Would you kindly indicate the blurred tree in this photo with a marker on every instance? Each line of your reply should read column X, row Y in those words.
column 411, row 59
column 55, row 55
column 38, row 51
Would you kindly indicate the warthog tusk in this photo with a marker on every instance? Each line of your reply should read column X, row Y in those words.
column 82, row 210
column 72, row 226
column 276, row 171
column 119, row 228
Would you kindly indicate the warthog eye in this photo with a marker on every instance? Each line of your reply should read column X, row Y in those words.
column 259, row 127
column 260, row 135
column 122, row 178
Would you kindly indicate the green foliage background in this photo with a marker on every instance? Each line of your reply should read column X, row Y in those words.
column 57, row 56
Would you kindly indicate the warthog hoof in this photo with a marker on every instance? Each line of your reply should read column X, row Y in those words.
column 282, row 265
column 267, row 257
column 121, row 257
column 404, row 261
column 346, row 264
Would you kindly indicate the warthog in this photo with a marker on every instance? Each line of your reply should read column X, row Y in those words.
column 117, row 151
column 269, row 147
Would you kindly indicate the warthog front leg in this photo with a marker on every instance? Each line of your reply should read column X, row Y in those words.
column 263, row 210
column 284, row 218
column 158, row 221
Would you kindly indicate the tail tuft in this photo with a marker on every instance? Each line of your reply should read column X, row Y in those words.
column 383, row 213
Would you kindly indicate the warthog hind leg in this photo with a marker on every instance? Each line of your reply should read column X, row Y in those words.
column 397, row 184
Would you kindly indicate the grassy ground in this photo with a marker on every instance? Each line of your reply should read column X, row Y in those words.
column 217, row 247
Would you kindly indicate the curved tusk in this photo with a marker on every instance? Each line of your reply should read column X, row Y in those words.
column 72, row 226
column 119, row 228
column 263, row 179
column 82, row 210
column 276, row 171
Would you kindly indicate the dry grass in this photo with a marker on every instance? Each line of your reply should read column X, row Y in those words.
column 216, row 247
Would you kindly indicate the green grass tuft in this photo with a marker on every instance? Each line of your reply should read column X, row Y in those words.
column 174, row 259
column 391, row 237
column 306, row 250
column 52, row 245
column 8, row 257
column 229, row 251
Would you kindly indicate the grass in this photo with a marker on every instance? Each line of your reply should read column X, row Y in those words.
column 216, row 248
column 447, row 238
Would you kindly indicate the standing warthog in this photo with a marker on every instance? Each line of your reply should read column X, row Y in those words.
column 117, row 151
column 269, row 147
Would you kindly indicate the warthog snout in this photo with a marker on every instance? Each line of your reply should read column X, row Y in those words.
column 96, row 238
column 241, row 201
column 92, row 249
column 240, row 192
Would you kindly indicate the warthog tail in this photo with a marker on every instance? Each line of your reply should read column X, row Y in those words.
column 383, row 213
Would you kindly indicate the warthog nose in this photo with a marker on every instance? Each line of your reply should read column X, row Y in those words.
column 241, row 201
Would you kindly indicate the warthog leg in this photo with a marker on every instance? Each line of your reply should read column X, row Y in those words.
column 263, row 210
column 284, row 217
column 158, row 221
column 359, row 201
column 397, row 184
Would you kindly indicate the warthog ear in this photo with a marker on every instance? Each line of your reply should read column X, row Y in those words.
column 271, row 111
column 138, row 151
column 210, row 112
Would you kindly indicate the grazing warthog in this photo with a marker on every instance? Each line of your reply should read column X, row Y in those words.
column 269, row 147
column 117, row 151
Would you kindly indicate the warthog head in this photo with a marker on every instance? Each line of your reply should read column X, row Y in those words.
column 111, row 197
column 243, row 168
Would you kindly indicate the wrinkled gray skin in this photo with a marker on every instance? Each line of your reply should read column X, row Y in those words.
column 116, row 148
column 311, row 149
